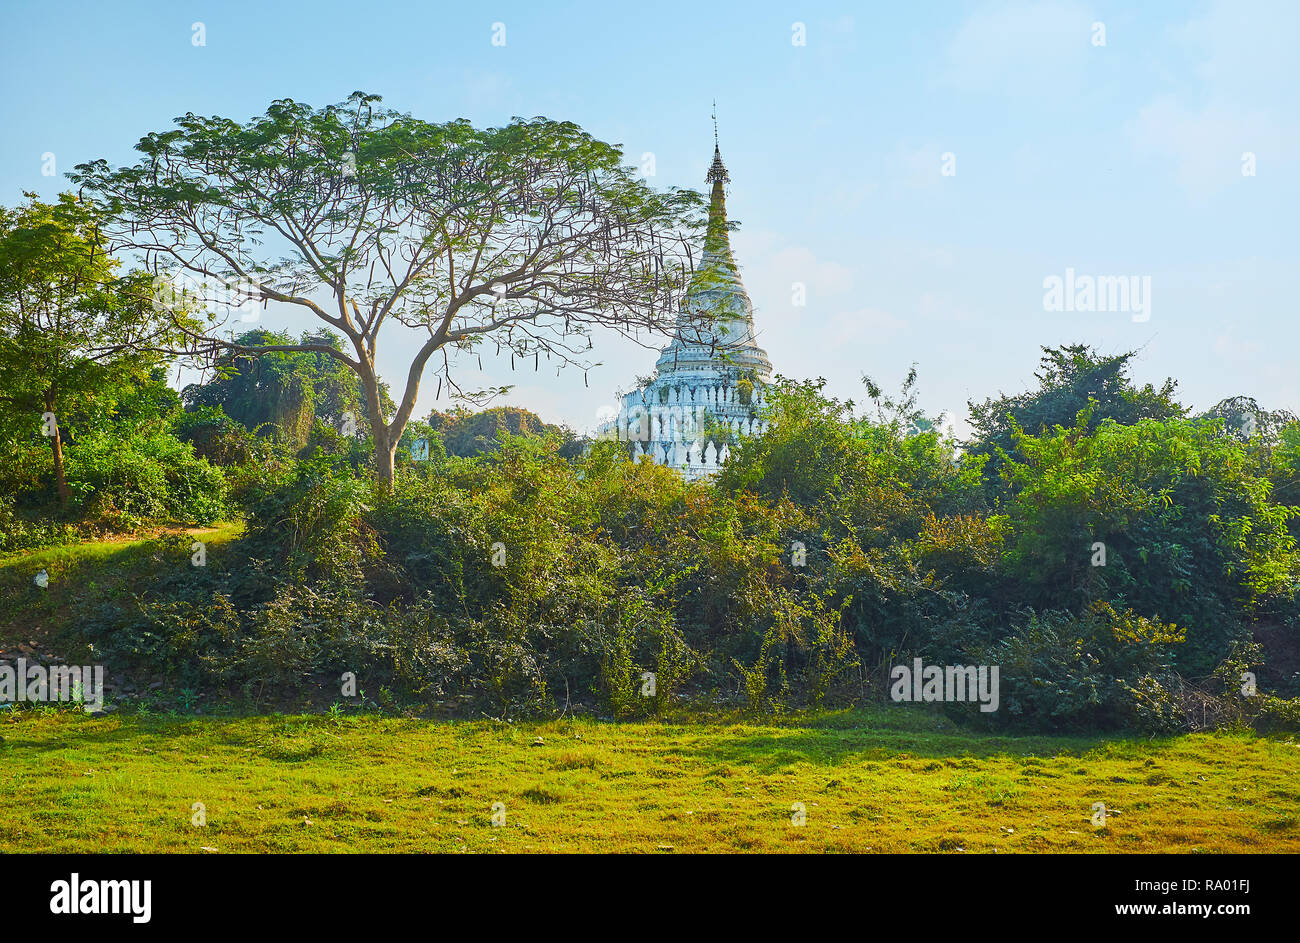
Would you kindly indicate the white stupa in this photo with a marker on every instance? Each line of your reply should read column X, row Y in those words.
column 708, row 385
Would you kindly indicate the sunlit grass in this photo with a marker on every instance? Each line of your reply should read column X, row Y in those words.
column 900, row 780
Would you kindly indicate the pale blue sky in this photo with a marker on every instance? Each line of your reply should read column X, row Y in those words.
column 1123, row 159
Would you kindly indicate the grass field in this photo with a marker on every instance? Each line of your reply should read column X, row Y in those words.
column 882, row 780
column 900, row 780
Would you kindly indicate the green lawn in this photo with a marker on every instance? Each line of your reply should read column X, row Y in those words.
column 890, row 780
column 887, row 779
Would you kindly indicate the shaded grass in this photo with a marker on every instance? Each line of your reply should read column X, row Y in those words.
column 889, row 780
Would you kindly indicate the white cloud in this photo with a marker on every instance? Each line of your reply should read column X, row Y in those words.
column 1230, row 348
column 1245, row 47
column 851, row 193
column 1021, row 47
column 933, row 307
column 1204, row 146
column 771, row 270
column 485, row 89
column 1243, row 55
column 919, row 166
column 865, row 326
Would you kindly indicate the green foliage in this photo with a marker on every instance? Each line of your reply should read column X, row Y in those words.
column 307, row 518
column 122, row 466
column 73, row 332
column 126, row 481
column 290, row 391
column 1073, row 378
column 1283, row 470
column 1102, row 669
column 84, row 406
column 806, row 454
column 216, row 437
column 525, row 580
column 468, row 434
column 879, row 477
column 20, row 532
column 1189, row 530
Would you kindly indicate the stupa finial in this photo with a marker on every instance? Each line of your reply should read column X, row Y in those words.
column 717, row 170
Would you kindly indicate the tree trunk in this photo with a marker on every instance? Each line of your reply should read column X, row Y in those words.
column 385, row 441
column 384, row 456
column 56, row 443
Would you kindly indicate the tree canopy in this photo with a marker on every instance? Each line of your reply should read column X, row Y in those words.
column 71, row 327
column 1071, row 378
column 525, row 236
column 467, row 433
column 289, row 389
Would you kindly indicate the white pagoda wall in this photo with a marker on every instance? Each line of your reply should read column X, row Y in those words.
column 667, row 431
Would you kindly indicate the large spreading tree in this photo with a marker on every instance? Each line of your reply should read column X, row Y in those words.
column 525, row 236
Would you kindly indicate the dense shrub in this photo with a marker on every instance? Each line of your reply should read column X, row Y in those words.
column 1101, row 669
column 306, row 517
column 521, row 580
column 124, row 462
column 144, row 477
column 1168, row 517
column 28, row 532
column 215, row 436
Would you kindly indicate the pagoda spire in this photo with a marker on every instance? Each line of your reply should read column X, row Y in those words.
column 718, row 172
column 717, row 242
column 715, row 335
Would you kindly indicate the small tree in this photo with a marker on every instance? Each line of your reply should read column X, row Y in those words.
column 1245, row 420
column 288, row 390
column 70, row 328
column 1071, row 378
column 528, row 234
